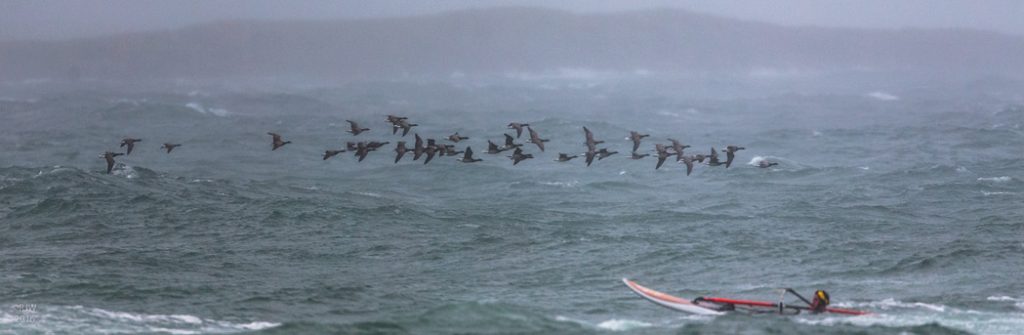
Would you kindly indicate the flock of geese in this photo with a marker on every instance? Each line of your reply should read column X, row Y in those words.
column 431, row 148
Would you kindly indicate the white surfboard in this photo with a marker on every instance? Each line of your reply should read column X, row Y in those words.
column 668, row 300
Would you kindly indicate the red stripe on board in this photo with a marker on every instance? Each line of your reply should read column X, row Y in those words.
column 772, row 304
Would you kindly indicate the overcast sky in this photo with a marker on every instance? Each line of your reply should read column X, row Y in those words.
column 49, row 19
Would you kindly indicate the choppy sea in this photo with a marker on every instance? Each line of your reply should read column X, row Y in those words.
column 908, row 205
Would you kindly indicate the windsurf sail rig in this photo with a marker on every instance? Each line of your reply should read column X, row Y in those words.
column 755, row 303
column 717, row 306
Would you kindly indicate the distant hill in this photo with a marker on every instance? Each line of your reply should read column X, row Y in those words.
column 506, row 40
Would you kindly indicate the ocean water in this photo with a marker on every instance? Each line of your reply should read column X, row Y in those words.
column 905, row 204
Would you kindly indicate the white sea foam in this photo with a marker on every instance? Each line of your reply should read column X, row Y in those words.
column 895, row 313
column 571, row 183
column 1002, row 179
column 612, row 325
column 891, row 303
column 667, row 113
column 883, row 96
column 1018, row 302
column 985, row 193
column 123, row 170
column 777, row 73
column 575, row 74
column 56, row 170
column 204, row 110
column 622, row 325
column 80, row 319
column 756, row 160
column 132, row 102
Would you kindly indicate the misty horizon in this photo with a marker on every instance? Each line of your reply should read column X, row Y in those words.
column 512, row 40
column 42, row 20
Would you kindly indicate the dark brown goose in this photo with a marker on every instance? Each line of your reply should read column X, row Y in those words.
column 518, row 127
column 591, row 142
column 688, row 160
column 766, row 164
column 678, row 148
column 362, row 151
column 590, row 156
column 713, row 158
column 730, row 154
column 405, row 125
column 277, row 142
column 400, row 150
column 662, row 154
column 170, row 146
column 430, row 150
column 355, row 128
column 456, row 138
column 636, row 137
column 418, row 148
column 468, row 156
column 604, row 153
column 510, row 143
column 394, row 119
column 332, row 153
column 449, row 150
column 519, row 156
column 535, row 139
column 109, row 156
column 374, row 145
column 130, row 142
column 493, row 148
column 563, row 157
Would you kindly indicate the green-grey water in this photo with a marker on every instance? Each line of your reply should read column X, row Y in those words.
column 904, row 204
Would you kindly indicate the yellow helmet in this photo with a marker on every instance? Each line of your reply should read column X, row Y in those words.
column 822, row 295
